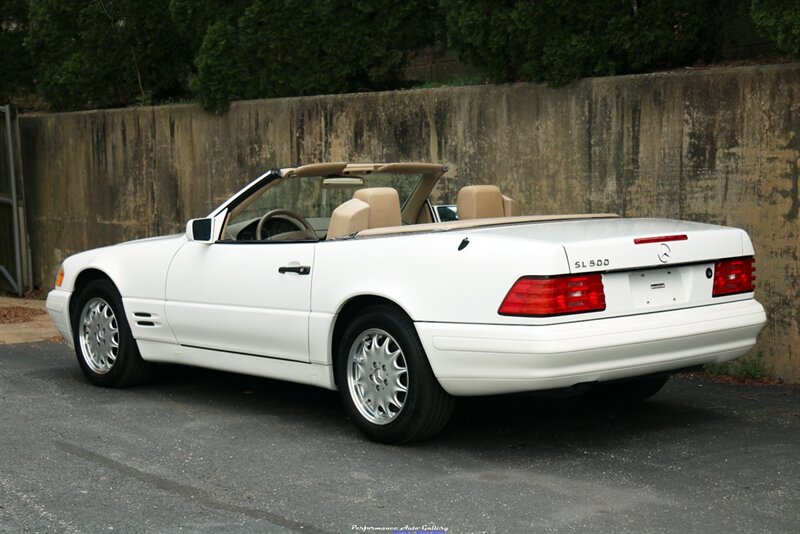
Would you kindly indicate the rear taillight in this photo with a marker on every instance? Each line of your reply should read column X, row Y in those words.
column 734, row 276
column 542, row 296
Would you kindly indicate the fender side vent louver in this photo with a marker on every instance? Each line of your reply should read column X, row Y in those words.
column 145, row 319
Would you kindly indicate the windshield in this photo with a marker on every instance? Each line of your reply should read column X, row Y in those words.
column 313, row 198
column 316, row 197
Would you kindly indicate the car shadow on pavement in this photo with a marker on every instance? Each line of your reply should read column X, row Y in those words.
column 516, row 421
column 487, row 421
column 244, row 394
column 507, row 422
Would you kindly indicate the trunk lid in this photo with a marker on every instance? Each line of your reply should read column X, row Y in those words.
column 608, row 244
column 611, row 245
column 671, row 267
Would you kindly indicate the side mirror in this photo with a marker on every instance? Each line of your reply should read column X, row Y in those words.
column 200, row 230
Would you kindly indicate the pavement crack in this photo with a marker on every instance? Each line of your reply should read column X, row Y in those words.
column 191, row 493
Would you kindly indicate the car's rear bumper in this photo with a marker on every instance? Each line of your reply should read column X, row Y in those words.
column 58, row 308
column 472, row 359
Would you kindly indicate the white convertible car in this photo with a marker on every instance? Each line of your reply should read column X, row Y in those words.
column 335, row 275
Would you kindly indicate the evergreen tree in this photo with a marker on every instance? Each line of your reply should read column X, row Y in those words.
column 779, row 20
column 105, row 52
column 555, row 41
column 16, row 68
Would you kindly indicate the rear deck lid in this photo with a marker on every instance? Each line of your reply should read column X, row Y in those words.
column 647, row 265
column 625, row 244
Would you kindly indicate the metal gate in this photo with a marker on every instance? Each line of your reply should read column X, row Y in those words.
column 15, row 260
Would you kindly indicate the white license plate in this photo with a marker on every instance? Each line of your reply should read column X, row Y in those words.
column 658, row 287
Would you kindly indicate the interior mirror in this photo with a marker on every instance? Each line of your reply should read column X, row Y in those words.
column 333, row 182
column 201, row 230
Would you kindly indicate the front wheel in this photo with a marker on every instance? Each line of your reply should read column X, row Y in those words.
column 104, row 345
column 385, row 380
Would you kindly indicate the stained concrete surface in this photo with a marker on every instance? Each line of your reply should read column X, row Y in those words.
column 203, row 451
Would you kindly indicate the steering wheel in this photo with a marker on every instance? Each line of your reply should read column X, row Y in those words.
column 302, row 224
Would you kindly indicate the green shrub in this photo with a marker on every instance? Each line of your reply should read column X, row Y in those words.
column 303, row 47
column 220, row 73
column 84, row 54
column 556, row 41
column 105, row 53
column 193, row 18
column 779, row 20
column 16, row 69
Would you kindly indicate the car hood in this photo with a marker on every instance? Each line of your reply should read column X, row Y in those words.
column 171, row 237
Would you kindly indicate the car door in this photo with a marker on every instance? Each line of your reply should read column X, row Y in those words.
column 250, row 298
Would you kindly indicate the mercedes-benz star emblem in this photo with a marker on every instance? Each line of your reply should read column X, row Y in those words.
column 664, row 253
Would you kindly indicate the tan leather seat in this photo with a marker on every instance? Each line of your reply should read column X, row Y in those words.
column 348, row 218
column 484, row 202
column 384, row 206
column 511, row 207
column 374, row 207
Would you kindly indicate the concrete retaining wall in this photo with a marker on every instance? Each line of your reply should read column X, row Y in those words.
column 718, row 146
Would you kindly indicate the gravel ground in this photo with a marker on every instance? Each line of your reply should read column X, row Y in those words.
column 18, row 314
column 25, row 321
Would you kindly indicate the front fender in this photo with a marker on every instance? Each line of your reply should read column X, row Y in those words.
column 137, row 268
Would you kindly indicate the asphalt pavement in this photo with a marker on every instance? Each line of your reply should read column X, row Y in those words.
column 205, row 451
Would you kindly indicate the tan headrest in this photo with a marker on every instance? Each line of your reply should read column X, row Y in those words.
column 480, row 202
column 384, row 206
column 511, row 207
column 348, row 218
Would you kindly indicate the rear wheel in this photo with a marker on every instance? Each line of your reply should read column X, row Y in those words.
column 628, row 391
column 104, row 345
column 385, row 380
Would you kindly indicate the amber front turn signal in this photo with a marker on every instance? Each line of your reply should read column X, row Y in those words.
column 60, row 277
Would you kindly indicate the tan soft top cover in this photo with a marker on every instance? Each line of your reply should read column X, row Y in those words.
column 477, row 223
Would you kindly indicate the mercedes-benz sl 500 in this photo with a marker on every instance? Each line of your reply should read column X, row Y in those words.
column 344, row 276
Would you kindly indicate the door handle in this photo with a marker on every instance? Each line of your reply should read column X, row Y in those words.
column 300, row 269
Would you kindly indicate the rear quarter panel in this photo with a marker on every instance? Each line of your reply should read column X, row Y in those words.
column 432, row 280
column 428, row 276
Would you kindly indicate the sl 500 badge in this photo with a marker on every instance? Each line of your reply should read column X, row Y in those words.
column 601, row 262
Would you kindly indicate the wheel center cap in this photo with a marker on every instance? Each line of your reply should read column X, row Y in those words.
column 377, row 377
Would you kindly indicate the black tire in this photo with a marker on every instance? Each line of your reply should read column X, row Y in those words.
column 627, row 391
column 128, row 369
column 426, row 407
